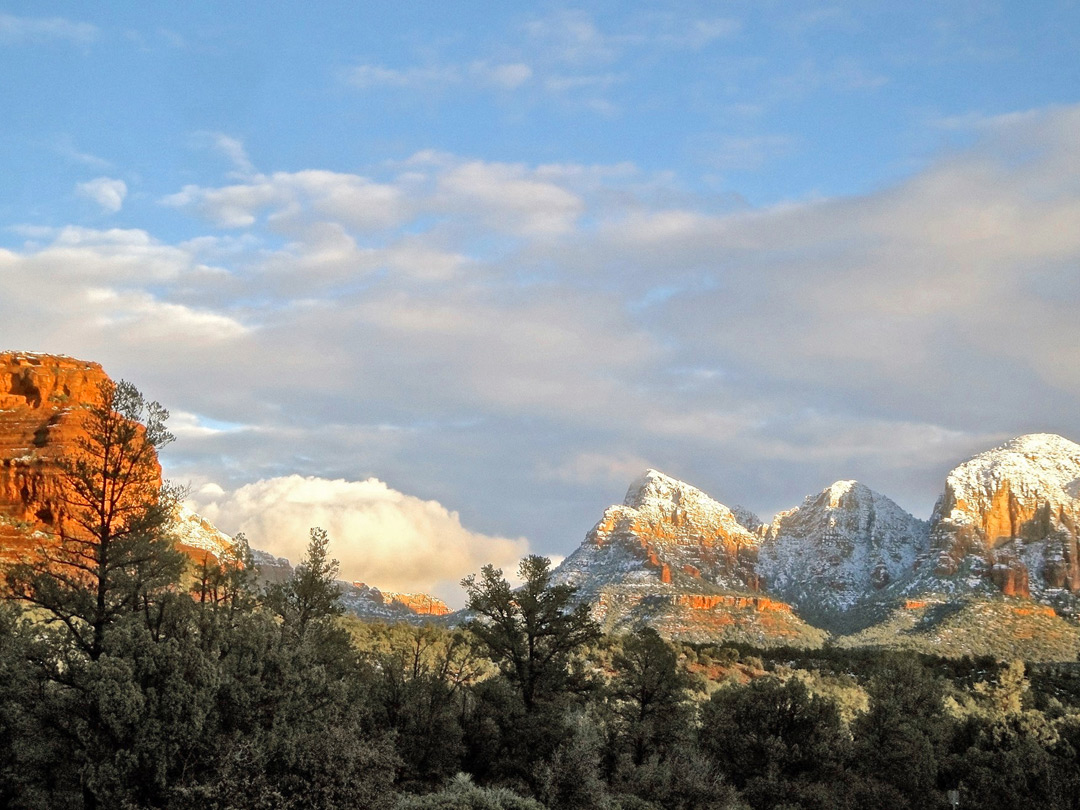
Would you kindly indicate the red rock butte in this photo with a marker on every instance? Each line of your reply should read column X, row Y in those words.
column 41, row 400
column 40, row 397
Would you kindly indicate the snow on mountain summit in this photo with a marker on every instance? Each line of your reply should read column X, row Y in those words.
column 1011, row 514
column 664, row 528
column 673, row 558
column 838, row 548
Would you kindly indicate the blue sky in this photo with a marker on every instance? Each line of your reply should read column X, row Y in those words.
column 462, row 270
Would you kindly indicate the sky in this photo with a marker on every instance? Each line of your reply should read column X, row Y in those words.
column 445, row 278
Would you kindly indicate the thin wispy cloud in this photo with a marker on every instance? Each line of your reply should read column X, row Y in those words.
column 107, row 192
column 15, row 29
column 478, row 74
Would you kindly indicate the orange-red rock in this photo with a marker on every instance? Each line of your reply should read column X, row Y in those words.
column 39, row 423
column 421, row 604
column 1012, row 506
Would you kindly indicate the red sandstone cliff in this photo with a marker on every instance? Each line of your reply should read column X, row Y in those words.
column 39, row 423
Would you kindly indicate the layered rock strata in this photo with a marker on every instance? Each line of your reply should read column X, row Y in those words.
column 1011, row 516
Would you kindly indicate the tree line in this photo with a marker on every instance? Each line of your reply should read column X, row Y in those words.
column 131, row 677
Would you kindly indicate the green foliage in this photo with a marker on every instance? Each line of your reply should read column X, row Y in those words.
column 775, row 741
column 530, row 631
column 111, row 556
column 419, row 681
column 310, row 596
column 119, row 688
column 650, row 693
column 462, row 794
column 900, row 741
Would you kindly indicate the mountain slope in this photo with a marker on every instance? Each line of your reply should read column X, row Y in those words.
column 1009, row 522
column 673, row 558
column 832, row 556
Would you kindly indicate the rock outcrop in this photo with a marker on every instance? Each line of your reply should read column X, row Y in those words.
column 673, row 558
column 1011, row 515
column 197, row 537
column 837, row 551
column 39, row 423
column 421, row 604
column 372, row 604
column 669, row 531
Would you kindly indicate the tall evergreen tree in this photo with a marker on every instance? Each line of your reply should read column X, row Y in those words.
column 311, row 594
column 111, row 554
column 529, row 631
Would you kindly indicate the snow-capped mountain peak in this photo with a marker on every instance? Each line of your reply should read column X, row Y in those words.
column 1012, row 514
column 838, row 548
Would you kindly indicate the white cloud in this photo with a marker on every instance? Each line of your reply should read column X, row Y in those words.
column 233, row 149
column 513, row 333
column 510, row 199
column 380, row 536
column 598, row 468
column 353, row 200
column 38, row 29
column 107, row 192
column 507, row 76
column 187, row 425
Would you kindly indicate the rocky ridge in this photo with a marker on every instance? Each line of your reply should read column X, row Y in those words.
column 1001, row 548
column 832, row 556
column 672, row 557
column 1011, row 515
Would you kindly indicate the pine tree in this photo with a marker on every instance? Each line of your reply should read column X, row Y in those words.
column 530, row 631
column 111, row 555
column 311, row 594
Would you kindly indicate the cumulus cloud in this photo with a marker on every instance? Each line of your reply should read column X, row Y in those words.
column 380, row 536
column 107, row 192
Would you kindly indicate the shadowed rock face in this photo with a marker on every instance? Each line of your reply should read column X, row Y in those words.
column 39, row 423
column 839, row 548
column 1012, row 514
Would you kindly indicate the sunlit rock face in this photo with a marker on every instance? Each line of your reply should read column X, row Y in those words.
column 372, row 604
column 1011, row 515
column 838, row 549
column 197, row 536
column 39, row 423
column 421, row 604
column 668, row 531
column 41, row 400
column 673, row 558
